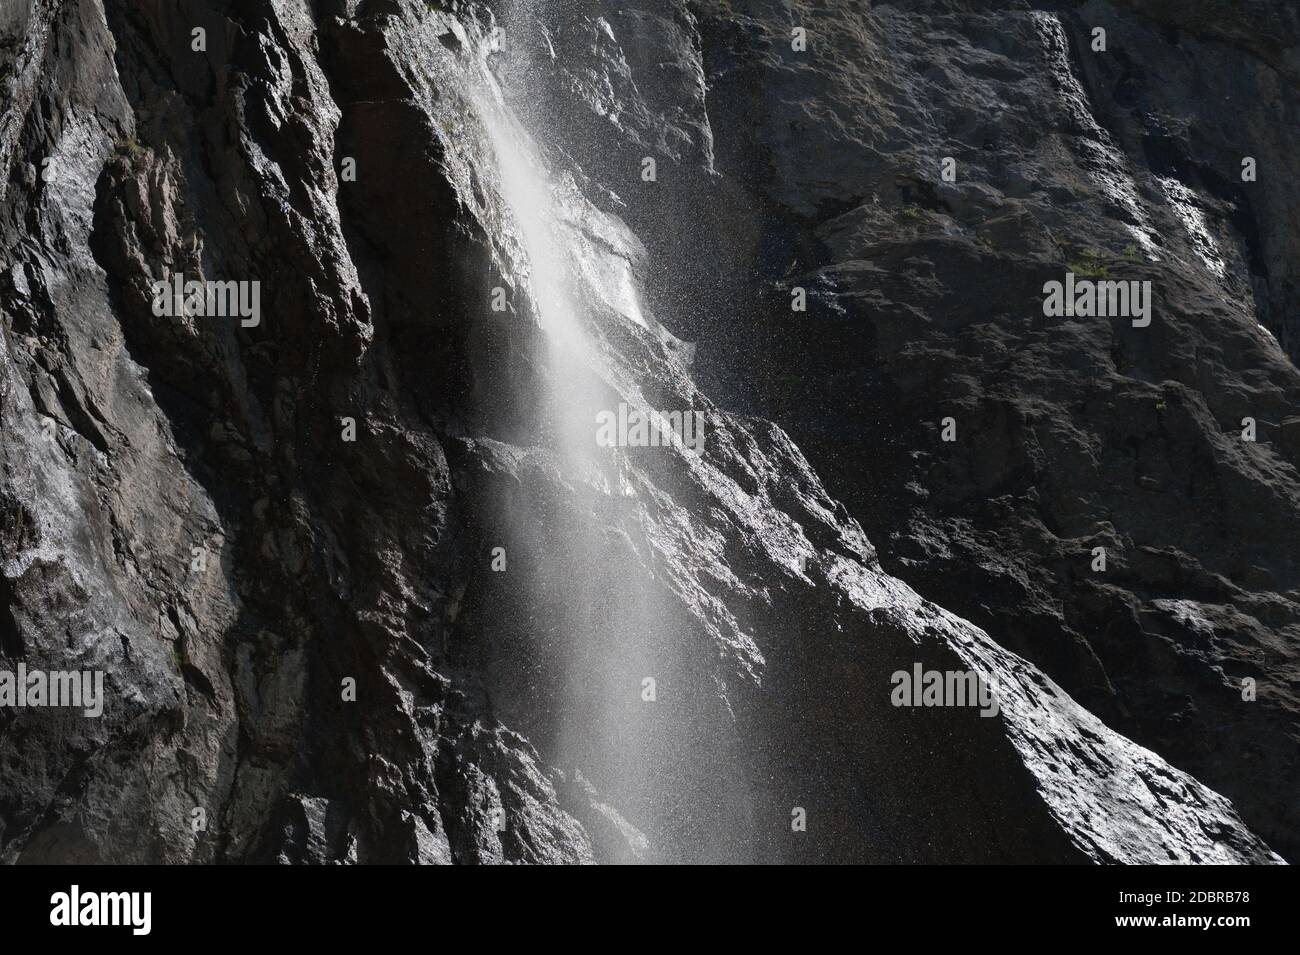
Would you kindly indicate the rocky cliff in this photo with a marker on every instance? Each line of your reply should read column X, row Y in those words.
column 364, row 587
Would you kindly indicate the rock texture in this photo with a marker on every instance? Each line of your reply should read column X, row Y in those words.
column 1073, row 434
column 178, row 507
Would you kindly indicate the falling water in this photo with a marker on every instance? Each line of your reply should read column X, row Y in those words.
column 574, row 270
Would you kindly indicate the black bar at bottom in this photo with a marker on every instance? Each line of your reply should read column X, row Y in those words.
column 226, row 905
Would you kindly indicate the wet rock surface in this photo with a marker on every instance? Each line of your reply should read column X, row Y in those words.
column 1071, row 434
column 306, row 645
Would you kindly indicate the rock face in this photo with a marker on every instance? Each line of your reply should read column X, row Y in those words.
column 364, row 588
column 1071, row 434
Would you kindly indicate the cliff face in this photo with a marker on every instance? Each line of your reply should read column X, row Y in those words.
column 1126, row 164
column 364, row 589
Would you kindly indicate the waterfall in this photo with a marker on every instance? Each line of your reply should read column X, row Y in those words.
column 595, row 606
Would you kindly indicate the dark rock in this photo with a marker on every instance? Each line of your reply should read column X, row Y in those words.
column 306, row 648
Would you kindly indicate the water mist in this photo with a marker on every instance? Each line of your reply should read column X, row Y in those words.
column 597, row 611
